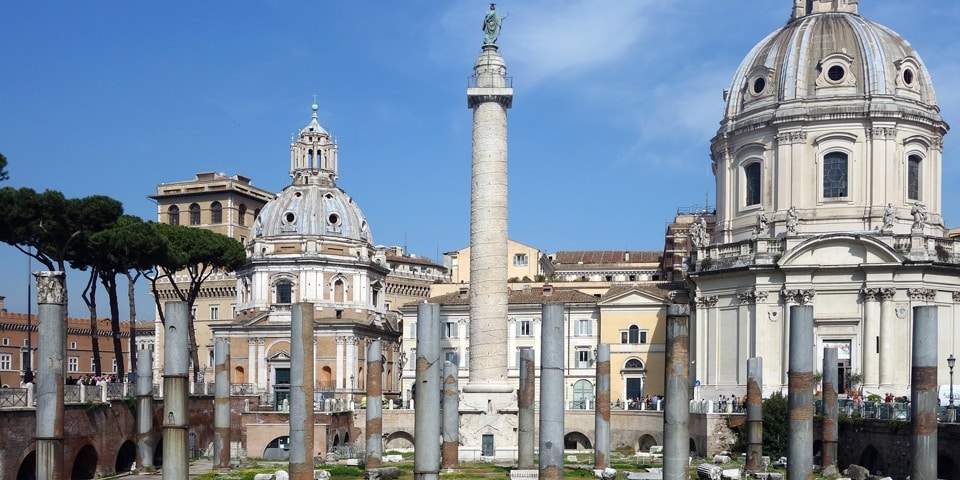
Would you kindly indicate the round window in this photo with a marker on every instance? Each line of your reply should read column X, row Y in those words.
column 758, row 85
column 908, row 77
column 333, row 219
column 289, row 217
column 836, row 73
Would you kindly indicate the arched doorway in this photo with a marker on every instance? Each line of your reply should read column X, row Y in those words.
column 398, row 440
column 126, row 457
column 28, row 467
column 645, row 442
column 85, row 463
column 277, row 449
column 239, row 375
column 582, row 395
column 872, row 460
column 632, row 377
column 576, row 441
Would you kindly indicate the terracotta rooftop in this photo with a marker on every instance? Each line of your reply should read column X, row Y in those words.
column 605, row 257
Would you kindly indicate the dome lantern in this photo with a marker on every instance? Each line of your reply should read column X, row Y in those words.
column 802, row 8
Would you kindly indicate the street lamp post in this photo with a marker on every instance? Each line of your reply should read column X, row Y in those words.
column 351, row 392
column 951, row 412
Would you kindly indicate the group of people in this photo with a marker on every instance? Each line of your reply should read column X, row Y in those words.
column 735, row 403
column 91, row 379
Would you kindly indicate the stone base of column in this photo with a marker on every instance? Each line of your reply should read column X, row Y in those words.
column 488, row 413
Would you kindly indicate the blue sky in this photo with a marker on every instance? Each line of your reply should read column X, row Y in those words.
column 615, row 102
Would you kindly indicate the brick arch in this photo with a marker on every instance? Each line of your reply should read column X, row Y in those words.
column 28, row 465
column 126, row 457
column 85, row 463
column 576, row 441
column 872, row 459
column 399, row 439
column 645, row 441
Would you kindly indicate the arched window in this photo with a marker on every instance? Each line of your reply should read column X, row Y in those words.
column 835, row 175
column 751, row 175
column 284, row 292
column 582, row 394
column 242, row 215
column 633, row 363
column 913, row 177
column 216, row 212
column 173, row 215
column 194, row 214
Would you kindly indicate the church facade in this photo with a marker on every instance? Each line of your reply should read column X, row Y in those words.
column 828, row 175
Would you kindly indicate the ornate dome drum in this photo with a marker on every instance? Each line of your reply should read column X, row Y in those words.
column 819, row 114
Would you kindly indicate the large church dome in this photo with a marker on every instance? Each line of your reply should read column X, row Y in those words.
column 310, row 209
column 831, row 124
column 825, row 53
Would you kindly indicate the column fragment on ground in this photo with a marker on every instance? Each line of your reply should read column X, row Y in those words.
column 924, row 401
column 800, row 394
column 426, row 430
column 676, row 412
column 176, row 369
column 551, row 392
column 301, row 391
column 51, row 359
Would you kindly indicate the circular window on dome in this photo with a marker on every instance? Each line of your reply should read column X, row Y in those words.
column 759, row 85
column 289, row 217
column 836, row 73
column 908, row 77
column 333, row 219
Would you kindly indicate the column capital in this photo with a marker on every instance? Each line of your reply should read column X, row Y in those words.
column 706, row 301
column 801, row 296
column 922, row 294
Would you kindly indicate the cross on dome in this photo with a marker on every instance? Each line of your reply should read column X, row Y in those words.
column 802, row 8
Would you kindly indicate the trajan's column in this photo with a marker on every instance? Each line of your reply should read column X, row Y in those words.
column 488, row 407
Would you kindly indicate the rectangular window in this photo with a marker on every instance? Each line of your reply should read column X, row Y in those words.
column 913, row 178
column 73, row 364
column 6, row 361
column 233, row 311
column 73, row 345
column 633, row 335
column 450, row 330
column 413, row 330
column 524, row 328
column 214, row 312
column 284, row 292
column 583, row 358
column 6, row 341
column 583, row 328
column 835, row 175
column 193, row 313
column 520, row 260
column 752, row 176
column 450, row 355
column 93, row 365
column 113, row 368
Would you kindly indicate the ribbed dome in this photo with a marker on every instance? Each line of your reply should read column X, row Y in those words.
column 313, row 209
column 829, row 56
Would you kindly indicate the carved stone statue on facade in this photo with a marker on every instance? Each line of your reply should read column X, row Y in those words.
column 793, row 219
column 761, row 221
column 919, row 213
column 889, row 216
column 491, row 25
column 699, row 234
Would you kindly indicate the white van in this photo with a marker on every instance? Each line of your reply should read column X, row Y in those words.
column 943, row 393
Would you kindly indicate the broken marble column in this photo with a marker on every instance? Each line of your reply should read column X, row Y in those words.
column 601, row 448
column 924, row 400
column 449, row 450
column 374, row 430
column 301, row 391
column 831, row 408
column 676, row 413
column 426, row 430
column 526, row 413
column 754, row 403
column 176, row 369
column 800, row 394
column 551, row 392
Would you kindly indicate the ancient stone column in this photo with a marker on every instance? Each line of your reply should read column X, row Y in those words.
column 374, row 422
column 924, row 401
column 754, row 404
column 676, row 413
column 526, row 414
column 601, row 448
column 145, row 409
column 551, row 392
column 221, row 404
column 449, row 450
column 301, row 391
column 426, row 430
column 800, row 394
column 51, row 364
column 176, row 369
column 831, row 409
